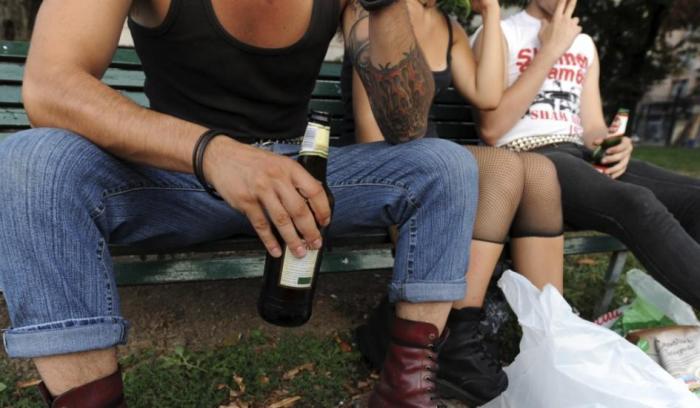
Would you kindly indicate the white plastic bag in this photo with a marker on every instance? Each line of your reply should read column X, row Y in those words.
column 565, row 361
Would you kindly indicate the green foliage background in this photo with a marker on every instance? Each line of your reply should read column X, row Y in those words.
column 459, row 8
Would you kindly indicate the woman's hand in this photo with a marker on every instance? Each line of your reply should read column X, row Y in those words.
column 558, row 34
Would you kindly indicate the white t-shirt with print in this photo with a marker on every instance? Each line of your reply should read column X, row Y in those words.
column 556, row 109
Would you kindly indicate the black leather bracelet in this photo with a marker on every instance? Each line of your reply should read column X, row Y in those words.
column 374, row 5
column 198, row 158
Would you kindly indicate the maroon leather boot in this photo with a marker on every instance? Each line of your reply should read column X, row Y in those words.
column 106, row 392
column 408, row 374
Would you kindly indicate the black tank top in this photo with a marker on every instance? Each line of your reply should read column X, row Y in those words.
column 443, row 80
column 197, row 71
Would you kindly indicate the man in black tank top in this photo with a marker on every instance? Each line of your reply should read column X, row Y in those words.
column 99, row 169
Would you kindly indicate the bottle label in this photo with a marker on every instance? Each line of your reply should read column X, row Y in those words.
column 619, row 125
column 298, row 273
column 316, row 141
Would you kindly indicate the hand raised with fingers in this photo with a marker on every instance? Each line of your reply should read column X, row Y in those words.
column 557, row 35
column 272, row 191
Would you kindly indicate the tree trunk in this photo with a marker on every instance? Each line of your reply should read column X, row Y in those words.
column 17, row 18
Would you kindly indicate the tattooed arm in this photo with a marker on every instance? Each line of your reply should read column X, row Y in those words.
column 386, row 56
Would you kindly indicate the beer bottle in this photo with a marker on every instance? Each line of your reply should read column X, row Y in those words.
column 615, row 134
column 289, row 282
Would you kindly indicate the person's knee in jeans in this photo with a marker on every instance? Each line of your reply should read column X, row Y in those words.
column 49, row 284
column 432, row 245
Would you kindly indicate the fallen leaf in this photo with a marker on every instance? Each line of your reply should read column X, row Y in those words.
column 587, row 261
column 345, row 347
column 349, row 388
column 27, row 384
column 263, row 379
column 236, row 404
column 289, row 375
column 287, row 402
column 241, row 387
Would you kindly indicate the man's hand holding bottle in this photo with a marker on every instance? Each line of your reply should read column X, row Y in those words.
column 270, row 190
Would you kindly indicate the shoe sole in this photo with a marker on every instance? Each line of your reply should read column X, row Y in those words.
column 447, row 390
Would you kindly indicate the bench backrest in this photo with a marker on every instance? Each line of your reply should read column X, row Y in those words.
column 453, row 117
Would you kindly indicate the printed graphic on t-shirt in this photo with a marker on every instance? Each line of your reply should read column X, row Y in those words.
column 559, row 98
column 556, row 109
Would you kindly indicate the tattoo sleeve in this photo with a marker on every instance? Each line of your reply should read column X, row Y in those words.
column 400, row 89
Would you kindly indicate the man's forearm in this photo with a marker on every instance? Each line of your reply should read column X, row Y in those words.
column 516, row 99
column 397, row 78
column 84, row 105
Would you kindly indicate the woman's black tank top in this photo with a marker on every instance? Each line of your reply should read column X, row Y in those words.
column 197, row 71
column 443, row 80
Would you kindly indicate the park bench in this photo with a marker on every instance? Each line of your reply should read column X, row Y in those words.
column 240, row 257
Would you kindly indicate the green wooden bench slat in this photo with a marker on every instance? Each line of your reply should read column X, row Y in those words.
column 10, row 50
column 115, row 77
column 327, row 89
column 11, row 96
column 592, row 244
column 11, row 72
column 14, row 49
column 13, row 118
column 334, row 107
column 137, row 272
column 132, row 271
column 330, row 70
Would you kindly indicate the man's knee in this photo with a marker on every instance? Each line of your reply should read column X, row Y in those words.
column 43, row 164
column 450, row 168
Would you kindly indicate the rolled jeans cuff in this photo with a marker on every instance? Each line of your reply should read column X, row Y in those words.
column 423, row 292
column 64, row 337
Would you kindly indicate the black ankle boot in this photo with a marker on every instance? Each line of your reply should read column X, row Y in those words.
column 468, row 371
column 373, row 337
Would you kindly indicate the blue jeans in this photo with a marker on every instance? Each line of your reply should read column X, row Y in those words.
column 64, row 200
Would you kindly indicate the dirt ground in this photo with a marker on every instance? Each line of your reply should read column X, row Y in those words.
column 210, row 314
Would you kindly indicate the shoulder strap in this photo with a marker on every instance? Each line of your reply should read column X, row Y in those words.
column 449, row 44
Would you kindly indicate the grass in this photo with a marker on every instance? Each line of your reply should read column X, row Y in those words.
column 321, row 370
column 686, row 161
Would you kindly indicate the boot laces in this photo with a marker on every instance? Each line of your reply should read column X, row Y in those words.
column 433, row 369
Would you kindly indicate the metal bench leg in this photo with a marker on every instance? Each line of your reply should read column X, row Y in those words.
column 612, row 276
